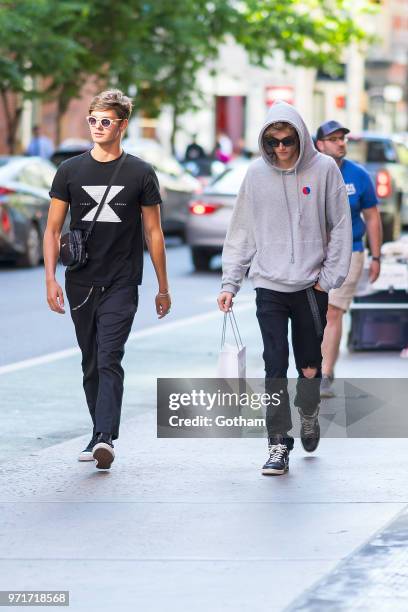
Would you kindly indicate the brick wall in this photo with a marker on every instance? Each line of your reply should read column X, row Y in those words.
column 73, row 123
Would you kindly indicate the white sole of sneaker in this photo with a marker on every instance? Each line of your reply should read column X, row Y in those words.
column 104, row 455
column 327, row 394
column 273, row 472
column 86, row 456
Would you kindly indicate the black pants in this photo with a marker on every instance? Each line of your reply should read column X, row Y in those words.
column 307, row 311
column 103, row 318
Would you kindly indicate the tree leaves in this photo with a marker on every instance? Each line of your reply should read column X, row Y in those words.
column 160, row 46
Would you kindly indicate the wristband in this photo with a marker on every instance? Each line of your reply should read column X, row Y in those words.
column 376, row 258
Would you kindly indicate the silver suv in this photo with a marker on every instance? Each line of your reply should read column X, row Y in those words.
column 385, row 159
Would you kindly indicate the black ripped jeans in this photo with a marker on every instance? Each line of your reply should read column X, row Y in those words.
column 307, row 311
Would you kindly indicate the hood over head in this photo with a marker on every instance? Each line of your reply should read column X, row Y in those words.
column 282, row 111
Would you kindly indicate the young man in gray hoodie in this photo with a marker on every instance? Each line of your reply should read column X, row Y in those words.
column 291, row 227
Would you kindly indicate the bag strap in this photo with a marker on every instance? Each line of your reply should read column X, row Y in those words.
column 105, row 195
column 234, row 327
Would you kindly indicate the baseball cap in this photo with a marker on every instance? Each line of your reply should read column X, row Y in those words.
column 328, row 128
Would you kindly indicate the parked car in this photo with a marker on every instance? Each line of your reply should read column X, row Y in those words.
column 176, row 185
column 210, row 214
column 204, row 169
column 24, row 201
column 383, row 158
column 70, row 148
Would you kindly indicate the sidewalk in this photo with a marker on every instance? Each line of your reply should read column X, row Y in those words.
column 190, row 523
column 179, row 524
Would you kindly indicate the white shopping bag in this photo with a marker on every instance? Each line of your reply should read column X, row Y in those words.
column 232, row 357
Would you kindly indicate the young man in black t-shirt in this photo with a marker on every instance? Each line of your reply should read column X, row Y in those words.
column 103, row 295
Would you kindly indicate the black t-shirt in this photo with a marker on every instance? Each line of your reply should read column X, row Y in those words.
column 115, row 247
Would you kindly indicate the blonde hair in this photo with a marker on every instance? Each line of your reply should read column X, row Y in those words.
column 280, row 125
column 112, row 99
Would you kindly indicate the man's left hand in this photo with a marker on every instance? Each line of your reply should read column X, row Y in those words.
column 375, row 269
column 163, row 304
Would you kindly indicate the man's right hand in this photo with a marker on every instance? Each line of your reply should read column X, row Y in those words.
column 225, row 300
column 55, row 297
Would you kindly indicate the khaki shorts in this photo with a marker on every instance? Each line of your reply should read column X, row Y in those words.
column 343, row 296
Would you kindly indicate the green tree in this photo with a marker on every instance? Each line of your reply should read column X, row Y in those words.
column 156, row 45
column 164, row 58
column 29, row 48
column 99, row 30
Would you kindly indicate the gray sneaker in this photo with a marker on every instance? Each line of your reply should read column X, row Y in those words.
column 310, row 430
column 326, row 386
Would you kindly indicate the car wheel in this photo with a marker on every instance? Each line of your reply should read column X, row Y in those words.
column 33, row 253
column 201, row 259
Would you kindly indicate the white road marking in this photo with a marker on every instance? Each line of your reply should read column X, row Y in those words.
column 149, row 331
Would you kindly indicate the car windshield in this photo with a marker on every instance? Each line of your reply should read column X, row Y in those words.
column 229, row 182
column 37, row 174
column 163, row 162
column 403, row 153
column 371, row 151
column 153, row 153
column 29, row 171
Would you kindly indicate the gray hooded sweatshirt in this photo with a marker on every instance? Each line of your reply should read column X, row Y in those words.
column 291, row 228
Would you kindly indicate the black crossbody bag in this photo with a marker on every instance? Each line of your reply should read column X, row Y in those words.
column 73, row 252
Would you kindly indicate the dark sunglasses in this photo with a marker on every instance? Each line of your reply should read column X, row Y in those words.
column 274, row 143
column 105, row 122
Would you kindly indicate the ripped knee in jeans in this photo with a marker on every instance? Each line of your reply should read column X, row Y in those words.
column 310, row 372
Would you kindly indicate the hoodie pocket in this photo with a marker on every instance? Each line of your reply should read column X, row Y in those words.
column 273, row 262
column 309, row 257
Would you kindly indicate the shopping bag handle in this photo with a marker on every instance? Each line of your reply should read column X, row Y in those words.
column 234, row 327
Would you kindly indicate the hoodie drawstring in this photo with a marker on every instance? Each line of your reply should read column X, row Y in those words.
column 298, row 196
column 292, row 255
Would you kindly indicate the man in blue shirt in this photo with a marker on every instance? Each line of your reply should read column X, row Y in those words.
column 331, row 139
column 40, row 145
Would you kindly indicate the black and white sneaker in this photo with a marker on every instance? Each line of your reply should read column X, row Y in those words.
column 103, row 451
column 86, row 454
column 310, row 430
column 278, row 462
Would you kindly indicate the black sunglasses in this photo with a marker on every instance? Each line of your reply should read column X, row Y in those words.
column 274, row 143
